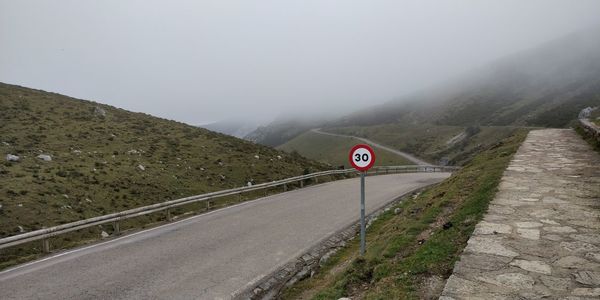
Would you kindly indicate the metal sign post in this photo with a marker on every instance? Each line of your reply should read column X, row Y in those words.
column 362, row 214
column 362, row 158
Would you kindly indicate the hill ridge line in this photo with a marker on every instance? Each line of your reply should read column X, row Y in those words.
column 408, row 156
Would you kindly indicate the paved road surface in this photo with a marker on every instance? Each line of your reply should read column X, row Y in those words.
column 540, row 238
column 210, row 256
column 409, row 157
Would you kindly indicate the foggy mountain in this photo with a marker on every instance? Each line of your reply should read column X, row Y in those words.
column 283, row 129
column 545, row 86
column 236, row 128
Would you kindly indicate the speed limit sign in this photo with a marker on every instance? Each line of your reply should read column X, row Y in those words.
column 362, row 157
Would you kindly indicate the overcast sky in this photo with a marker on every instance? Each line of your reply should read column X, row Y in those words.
column 203, row 61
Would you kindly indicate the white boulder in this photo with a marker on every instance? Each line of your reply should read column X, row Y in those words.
column 99, row 111
column 10, row 157
column 45, row 157
column 142, row 168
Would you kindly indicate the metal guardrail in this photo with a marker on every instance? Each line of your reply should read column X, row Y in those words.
column 46, row 233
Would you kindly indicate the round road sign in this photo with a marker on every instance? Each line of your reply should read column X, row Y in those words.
column 362, row 157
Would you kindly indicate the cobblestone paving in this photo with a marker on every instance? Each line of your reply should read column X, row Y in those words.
column 540, row 238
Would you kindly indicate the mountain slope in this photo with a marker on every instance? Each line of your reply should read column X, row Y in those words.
column 546, row 86
column 238, row 129
column 105, row 159
column 334, row 150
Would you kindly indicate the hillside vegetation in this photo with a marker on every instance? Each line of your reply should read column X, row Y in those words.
column 410, row 254
column 334, row 150
column 105, row 159
column 453, row 145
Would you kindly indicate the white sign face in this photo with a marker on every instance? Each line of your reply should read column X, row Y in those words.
column 361, row 157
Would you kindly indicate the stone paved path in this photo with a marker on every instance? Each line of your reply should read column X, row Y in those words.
column 540, row 238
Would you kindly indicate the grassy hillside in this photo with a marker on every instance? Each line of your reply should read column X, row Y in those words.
column 457, row 144
column 410, row 254
column 334, row 150
column 106, row 159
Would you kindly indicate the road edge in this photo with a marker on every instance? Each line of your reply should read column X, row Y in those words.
column 306, row 264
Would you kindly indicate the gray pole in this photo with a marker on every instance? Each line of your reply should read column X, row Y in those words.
column 362, row 214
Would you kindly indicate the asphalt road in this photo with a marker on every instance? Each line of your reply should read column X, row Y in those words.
column 408, row 156
column 210, row 256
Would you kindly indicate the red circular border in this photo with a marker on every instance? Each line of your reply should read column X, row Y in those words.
column 370, row 165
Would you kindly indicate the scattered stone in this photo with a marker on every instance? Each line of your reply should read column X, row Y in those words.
column 11, row 157
column 571, row 262
column 488, row 246
column 99, row 111
column 249, row 184
column 588, row 238
column 556, row 283
column 5, row 144
column 515, row 280
column 532, row 234
column 528, row 224
column 588, row 278
column 45, row 157
column 492, row 228
column 549, row 222
column 560, row 229
column 20, row 205
column 532, row 266
column 595, row 292
column 256, row 156
column 460, row 286
column 579, row 246
column 142, row 168
column 103, row 234
column 397, row 211
column 552, row 237
column 21, row 229
column 279, row 157
column 593, row 255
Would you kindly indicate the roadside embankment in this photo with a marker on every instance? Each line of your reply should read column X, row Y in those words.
column 412, row 247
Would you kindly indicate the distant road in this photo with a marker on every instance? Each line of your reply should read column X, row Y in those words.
column 409, row 157
column 210, row 256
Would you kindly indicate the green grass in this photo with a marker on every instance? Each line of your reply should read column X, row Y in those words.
column 95, row 164
column 334, row 150
column 432, row 142
column 589, row 139
column 405, row 250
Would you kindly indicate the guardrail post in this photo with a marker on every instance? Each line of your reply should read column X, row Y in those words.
column 301, row 183
column 45, row 246
column 316, row 179
column 285, row 187
column 207, row 204
column 169, row 218
column 116, row 228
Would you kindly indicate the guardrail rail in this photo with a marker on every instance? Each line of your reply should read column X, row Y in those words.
column 46, row 233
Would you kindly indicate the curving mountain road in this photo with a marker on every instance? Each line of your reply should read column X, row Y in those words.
column 409, row 157
column 210, row 256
